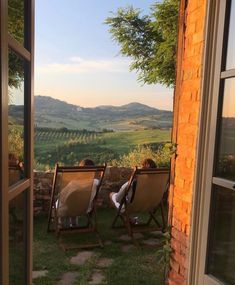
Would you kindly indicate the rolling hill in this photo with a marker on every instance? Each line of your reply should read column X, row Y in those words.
column 53, row 113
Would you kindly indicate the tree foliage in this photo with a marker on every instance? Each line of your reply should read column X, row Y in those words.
column 16, row 30
column 161, row 156
column 149, row 40
column 16, row 142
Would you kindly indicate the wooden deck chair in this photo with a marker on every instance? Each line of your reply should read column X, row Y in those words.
column 72, row 197
column 147, row 188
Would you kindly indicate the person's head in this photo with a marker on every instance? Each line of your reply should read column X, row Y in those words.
column 86, row 162
column 148, row 163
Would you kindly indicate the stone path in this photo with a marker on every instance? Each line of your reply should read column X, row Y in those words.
column 108, row 242
column 68, row 278
column 98, row 273
column 157, row 233
column 97, row 277
column 127, row 247
column 104, row 262
column 152, row 242
column 128, row 238
column 81, row 257
column 39, row 273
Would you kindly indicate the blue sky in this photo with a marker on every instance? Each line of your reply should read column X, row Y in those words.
column 77, row 61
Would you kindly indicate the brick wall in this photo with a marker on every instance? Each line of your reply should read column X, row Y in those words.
column 186, row 131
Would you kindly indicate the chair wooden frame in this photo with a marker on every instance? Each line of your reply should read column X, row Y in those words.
column 91, row 224
column 124, row 215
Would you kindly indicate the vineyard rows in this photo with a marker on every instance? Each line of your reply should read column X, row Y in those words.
column 73, row 136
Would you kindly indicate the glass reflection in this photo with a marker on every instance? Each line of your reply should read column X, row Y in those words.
column 16, row 118
column 221, row 257
column 230, row 63
column 226, row 157
column 16, row 19
column 17, row 250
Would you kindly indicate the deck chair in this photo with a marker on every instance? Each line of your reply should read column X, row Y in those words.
column 72, row 198
column 147, row 188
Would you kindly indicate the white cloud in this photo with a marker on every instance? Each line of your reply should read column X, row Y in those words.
column 79, row 65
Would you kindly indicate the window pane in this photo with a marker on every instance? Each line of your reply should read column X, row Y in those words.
column 221, row 256
column 230, row 63
column 16, row 118
column 226, row 158
column 16, row 19
column 17, row 246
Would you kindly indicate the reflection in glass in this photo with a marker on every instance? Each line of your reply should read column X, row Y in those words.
column 16, row 19
column 221, row 256
column 16, row 118
column 230, row 63
column 17, row 250
column 226, row 157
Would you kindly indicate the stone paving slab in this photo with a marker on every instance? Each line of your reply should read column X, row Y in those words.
column 39, row 273
column 68, row 278
column 128, row 238
column 97, row 277
column 125, row 238
column 127, row 247
column 108, row 242
column 138, row 235
column 152, row 242
column 81, row 257
column 157, row 233
column 104, row 262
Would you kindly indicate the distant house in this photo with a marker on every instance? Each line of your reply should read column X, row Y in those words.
column 202, row 194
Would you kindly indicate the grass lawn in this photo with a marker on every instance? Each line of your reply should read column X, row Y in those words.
column 137, row 266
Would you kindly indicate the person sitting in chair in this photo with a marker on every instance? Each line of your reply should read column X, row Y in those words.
column 72, row 186
column 116, row 198
column 89, row 162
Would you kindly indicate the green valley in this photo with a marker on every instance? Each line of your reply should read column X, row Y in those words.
column 70, row 146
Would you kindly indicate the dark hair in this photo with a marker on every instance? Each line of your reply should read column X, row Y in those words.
column 148, row 163
column 86, row 162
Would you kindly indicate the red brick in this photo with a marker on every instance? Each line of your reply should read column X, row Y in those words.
column 187, row 127
column 177, row 278
column 175, row 266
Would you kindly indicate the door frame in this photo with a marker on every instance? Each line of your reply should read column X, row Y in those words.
column 214, row 32
column 7, row 194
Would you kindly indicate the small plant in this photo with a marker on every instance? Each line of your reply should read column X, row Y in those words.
column 164, row 253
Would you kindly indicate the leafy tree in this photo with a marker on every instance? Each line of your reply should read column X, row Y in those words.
column 16, row 29
column 161, row 156
column 149, row 40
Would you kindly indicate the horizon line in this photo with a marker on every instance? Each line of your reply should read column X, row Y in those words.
column 103, row 105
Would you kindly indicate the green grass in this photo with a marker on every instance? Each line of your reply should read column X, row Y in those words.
column 122, row 142
column 139, row 266
column 72, row 146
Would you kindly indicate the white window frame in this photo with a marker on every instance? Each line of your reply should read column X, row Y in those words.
column 214, row 32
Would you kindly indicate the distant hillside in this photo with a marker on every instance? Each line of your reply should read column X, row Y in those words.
column 53, row 113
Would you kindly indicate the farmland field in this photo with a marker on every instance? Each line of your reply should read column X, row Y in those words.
column 70, row 146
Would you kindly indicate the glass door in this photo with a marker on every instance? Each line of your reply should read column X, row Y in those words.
column 17, row 29
column 219, row 258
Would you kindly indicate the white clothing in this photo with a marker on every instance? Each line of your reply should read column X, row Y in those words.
column 117, row 197
column 72, row 186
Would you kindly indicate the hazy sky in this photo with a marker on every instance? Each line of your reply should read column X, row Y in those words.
column 77, row 61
